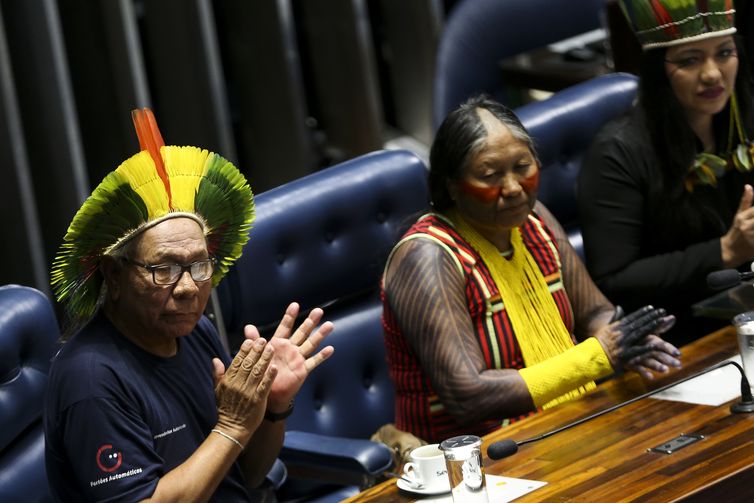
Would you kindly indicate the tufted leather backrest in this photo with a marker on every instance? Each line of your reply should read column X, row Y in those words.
column 28, row 340
column 322, row 241
column 480, row 33
column 563, row 127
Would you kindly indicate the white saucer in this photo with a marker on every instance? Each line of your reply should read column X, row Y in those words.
column 406, row 486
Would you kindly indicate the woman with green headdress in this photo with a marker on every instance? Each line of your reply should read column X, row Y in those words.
column 664, row 194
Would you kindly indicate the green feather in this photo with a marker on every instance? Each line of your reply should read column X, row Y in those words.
column 646, row 16
column 225, row 200
column 111, row 210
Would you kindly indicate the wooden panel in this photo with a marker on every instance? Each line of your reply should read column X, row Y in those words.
column 408, row 34
column 269, row 111
column 48, row 115
column 107, row 73
column 185, row 72
column 22, row 254
column 340, row 69
column 607, row 459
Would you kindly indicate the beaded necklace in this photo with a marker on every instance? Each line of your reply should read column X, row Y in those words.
column 707, row 168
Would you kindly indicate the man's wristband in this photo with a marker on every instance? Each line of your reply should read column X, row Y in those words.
column 223, row 434
column 278, row 416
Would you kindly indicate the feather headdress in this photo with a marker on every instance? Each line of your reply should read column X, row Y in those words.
column 158, row 183
column 662, row 23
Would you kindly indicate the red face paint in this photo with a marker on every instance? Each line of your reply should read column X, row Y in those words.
column 484, row 194
column 531, row 183
column 491, row 194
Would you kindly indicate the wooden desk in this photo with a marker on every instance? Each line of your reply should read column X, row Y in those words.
column 607, row 459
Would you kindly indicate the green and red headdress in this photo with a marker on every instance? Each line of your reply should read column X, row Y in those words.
column 662, row 23
column 158, row 183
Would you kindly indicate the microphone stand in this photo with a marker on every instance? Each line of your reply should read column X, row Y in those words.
column 746, row 405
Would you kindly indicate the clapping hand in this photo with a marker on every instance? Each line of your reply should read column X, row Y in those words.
column 633, row 342
column 294, row 356
column 242, row 392
column 737, row 245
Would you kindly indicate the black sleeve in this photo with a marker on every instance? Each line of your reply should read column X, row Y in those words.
column 613, row 187
column 110, row 450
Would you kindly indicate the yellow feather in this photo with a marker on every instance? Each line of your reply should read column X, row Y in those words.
column 141, row 174
column 186, row 166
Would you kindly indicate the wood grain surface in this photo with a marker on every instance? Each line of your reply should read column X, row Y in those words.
column 607, row 459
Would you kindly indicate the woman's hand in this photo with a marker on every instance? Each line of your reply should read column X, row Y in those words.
column 632, row 341
column 737, row 245
column 293, row 353
column 659, row 358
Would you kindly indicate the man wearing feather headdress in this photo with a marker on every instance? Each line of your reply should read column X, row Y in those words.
column 143, row 402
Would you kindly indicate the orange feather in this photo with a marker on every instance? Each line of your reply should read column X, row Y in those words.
column 151, row 140
column 664, row 17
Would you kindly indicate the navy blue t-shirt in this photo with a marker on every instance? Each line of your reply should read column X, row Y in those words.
column 118, row 418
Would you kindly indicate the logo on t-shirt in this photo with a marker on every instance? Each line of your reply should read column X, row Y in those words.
column 108, row 459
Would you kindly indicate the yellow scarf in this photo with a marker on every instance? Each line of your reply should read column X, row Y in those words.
column 535, row 318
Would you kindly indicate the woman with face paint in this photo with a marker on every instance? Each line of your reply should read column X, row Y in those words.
column 665, row 192
column 488, row 312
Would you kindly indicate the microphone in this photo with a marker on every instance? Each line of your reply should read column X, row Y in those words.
column 507, row 447
column 720, row 280
column 502, row 449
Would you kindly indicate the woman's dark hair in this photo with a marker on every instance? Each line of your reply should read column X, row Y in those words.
column 461, row 135
column 673, row 141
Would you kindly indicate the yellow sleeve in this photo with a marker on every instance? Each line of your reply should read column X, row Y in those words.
column 566, row 372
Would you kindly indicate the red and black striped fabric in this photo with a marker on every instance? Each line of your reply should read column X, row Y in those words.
column 418, row 408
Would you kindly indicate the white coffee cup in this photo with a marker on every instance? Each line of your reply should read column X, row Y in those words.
column 426, row 468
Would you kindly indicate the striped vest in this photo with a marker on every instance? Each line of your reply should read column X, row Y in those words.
column 417, row 407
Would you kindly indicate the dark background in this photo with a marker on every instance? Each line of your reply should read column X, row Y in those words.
column 280, row 87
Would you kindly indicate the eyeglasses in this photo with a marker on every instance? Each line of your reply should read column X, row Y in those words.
column 169, row 274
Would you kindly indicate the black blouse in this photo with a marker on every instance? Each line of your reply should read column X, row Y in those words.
column 641, row 247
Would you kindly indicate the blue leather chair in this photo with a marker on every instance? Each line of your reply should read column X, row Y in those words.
column 29, row 336
column 322, row 241
column 563, row 127
column 479, row 33
column 28, row 340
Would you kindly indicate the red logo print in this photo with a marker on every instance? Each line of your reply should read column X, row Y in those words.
column 108, row 459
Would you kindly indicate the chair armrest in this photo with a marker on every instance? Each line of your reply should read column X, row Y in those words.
column 335, row 459
column 277, row 475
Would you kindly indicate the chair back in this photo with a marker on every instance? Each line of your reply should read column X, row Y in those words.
column 29, row 337
column 323, row 241
column 480, row 33
column 563, row 127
